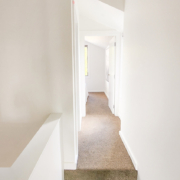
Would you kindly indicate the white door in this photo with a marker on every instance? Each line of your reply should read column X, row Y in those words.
column 112, row 58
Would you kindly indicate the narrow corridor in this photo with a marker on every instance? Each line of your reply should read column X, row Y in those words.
column 102, row 154
column 100, row 146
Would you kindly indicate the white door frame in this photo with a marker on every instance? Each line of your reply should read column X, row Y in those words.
column 76, row 82
column 82, row 91
column 112, row 98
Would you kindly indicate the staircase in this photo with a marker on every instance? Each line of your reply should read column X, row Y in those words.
column 101, row 175
column 102, row 154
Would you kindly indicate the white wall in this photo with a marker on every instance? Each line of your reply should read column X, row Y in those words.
column 42, row 158
column 36, row 64
column 151, row 85
column 24, row 71
column 49, row 165
column 101, row 41
column 95, row 81
column 6, row 173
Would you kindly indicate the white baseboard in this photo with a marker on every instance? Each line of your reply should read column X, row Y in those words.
column 84, row 114
column 129, row 150
column 106, row 95
column 119, row 116
column 87, row 95
column 71, row 165
column 76, row 159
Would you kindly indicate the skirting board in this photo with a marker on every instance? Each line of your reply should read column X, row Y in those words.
column 106, row 95
column 71, row 165
column 129, row 150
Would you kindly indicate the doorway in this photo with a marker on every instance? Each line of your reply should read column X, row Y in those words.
column 114, row 69
column 99, row 62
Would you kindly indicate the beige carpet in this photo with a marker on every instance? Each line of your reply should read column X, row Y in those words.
column 102, row 154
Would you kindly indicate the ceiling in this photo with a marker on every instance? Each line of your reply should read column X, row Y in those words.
column 87, row 24
column 101, row 13
column 101, row 41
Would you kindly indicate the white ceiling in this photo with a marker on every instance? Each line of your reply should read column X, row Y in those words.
column 101, row 13
column 87, row 24
column 101, row 41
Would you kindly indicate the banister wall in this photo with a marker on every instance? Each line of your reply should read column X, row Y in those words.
column 42, row 157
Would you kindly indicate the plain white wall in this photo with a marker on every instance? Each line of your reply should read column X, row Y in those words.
column 36, row 64
column 24, row 76
column 150, row 102
column 95, row 81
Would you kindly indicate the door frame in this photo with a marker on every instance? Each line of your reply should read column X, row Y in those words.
column 112, row 43
column 82, row 91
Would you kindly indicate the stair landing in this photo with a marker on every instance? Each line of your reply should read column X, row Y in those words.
column 102, row 154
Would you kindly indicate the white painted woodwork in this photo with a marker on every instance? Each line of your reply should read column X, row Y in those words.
column 107, row 67
column 112, row 61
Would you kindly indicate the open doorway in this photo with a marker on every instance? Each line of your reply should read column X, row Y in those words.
column 100, row 60
column 113, row 41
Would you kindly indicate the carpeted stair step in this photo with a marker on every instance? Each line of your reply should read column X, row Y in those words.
column 80, row 174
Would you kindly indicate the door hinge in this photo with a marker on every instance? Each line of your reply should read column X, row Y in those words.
column 114, row 106
column 115, row 44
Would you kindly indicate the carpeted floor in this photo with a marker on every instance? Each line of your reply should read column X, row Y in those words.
column 100, row 146
column 102, row 154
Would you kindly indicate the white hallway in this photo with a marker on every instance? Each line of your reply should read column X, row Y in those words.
column 37, row 79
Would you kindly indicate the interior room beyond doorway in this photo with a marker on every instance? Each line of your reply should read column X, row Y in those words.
column 97, row 66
